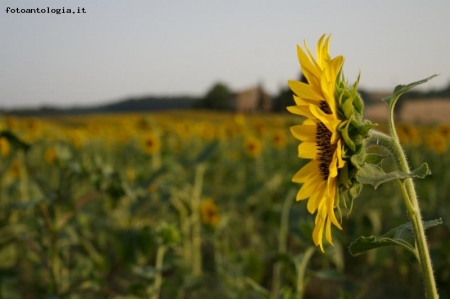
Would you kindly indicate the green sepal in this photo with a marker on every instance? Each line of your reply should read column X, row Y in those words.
column 344, row 132
column 358, row 158
column 347, row 108
column 365, row 128
column 349, row 194
column 375, row 176
column 358, row 103
column 343, row 175
column 354, row 191
column 402, row 235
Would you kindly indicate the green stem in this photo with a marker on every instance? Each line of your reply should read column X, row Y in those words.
column 419, row 231
column 282, row 243
column 159, row 265
column 413, row 210
column 300, row 266
column 196, row 225
column 185, row 227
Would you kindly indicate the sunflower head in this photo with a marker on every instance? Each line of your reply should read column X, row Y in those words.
column 209, row 213
column 331, row 135
column 151, row 144
column 5, row 148
column 279, row 138
column 50, row 155
column 253, row 146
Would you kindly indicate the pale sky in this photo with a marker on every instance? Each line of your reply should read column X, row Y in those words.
column 120, row 49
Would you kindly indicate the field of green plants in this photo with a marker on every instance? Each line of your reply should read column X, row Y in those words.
column 196, row 204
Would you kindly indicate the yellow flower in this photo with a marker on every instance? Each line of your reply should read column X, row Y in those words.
column 209, row 212
column 319, row 135
column 437, row 143
column 5, row 148
column 151, row 144
column 410, row 135
column 444, row 129
column 253, row 147
column 279, row 138
column 51, row 154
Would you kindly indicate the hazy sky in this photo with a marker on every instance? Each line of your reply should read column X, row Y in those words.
column 119, row 49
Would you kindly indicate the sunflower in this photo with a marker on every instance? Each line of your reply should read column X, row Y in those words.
column 279, row 138
column 50, row 155
column 252, row 146
column 5, row 148
column 151, row 144
column 209, row 212
column 320, row 138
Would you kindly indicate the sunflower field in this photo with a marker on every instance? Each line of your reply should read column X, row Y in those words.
column 195, row 204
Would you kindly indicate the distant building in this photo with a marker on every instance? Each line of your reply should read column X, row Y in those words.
column 251, row 100
column 418, row 110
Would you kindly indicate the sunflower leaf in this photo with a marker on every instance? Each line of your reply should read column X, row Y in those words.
column 401, row 89
column 374, row 159
column 422, row 171
column 375, row 176
column 402, row 235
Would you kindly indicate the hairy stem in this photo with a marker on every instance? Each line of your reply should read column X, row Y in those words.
column 413, row 210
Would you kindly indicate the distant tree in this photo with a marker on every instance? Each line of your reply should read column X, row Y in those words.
column 217, row 98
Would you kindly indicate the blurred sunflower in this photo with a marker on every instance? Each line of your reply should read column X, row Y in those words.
column 279, row 138
column 50, row 155
column 11, row 123
column 333, row 131
column 437, row 143
column 5, row 148
column 252, row 146
column 409, row 135
column 151, row 144
column 444, row 130
column 209, row 212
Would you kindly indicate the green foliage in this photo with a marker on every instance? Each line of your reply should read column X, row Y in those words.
column 375, row 175
column 401, row 89
column 402, row 235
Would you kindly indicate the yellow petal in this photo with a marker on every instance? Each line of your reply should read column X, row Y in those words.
column 328, row 232
column 318, row 232
column 301, row 110
column 329, row 120
column 341, row 162
column 328, row 89
column 332, row 187
column 304, row 91
column 304, row 132
column 300, row 101
column 306, row 171
column 316, row 198
column 309, row 70
column 308, row 187
column 322, row 51
column 307, row 150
